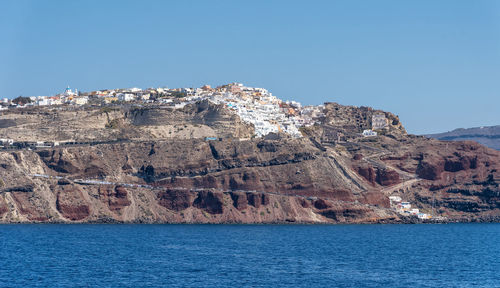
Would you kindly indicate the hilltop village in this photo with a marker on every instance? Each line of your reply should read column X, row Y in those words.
column 229, row 154
column 256, row 106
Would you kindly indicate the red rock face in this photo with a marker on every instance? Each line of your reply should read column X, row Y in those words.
column 210, row 202
column 387, row 177
column 254, row 199
column 71, row 203
column 235, row 180
column 460, row 179
column 265, row 199
column 455, row 164
column 73, row 212
column 430, row 169
column 240, row 200
column 176, row 200
column 463, row 158
column 368, row 173
column 116, row 198
column 321, row 204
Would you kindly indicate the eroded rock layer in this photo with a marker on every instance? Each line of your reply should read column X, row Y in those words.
column 155, row 166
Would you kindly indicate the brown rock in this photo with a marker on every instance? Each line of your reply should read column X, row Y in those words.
column 265, row 200
column 3, row 207
column 346, row 214
column 387, row 177
column 176, row 200
column 368, row 173
column 28, row 206
column 376, row 198
column 467, row 187
column 210, row 202
column 119, row 199
column 71, row 204
column 321, row 204
column 304, row 203
column 254, row 199
column 430, row 169
column 240, row 200
column 116, row 198
column 357, row 157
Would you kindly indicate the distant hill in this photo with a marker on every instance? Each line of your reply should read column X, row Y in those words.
column 488, row 136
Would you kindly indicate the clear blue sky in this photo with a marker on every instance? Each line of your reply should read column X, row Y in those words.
column 436, row 64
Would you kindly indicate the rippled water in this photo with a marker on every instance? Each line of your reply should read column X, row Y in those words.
column 451, row 255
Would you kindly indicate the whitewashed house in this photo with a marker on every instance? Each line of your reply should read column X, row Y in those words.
column 81, row 100
column 369, row 133
column 125, row 97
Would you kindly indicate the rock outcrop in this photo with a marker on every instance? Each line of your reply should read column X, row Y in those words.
column 156, row 166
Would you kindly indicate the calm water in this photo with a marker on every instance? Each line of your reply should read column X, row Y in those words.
column 453, row 255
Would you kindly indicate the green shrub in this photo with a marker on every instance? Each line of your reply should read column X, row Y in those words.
column 21, row 100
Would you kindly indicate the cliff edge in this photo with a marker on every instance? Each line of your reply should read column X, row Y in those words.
column 203, row 164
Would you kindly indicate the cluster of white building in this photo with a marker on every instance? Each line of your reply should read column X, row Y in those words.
column 259, row 107
column 67, row 97
column 404, row 208
column 256, row 106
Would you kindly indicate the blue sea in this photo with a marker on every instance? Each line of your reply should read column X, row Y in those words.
column 446, row 255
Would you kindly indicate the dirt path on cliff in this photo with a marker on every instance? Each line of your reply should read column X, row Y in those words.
column 389, row 190
column 131, row 212
column 374, row 160
column 344, row 171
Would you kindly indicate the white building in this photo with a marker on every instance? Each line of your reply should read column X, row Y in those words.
column 81, row 100
column 43, row 101
column 55, row 101
column 404, row 206
column 369, row 133
column 68, row 92
column 395, row 200
column 125, row 97
column 424, row 216
column 6, row 141
column 134, row 90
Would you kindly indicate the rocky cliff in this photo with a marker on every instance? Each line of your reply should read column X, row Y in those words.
column 154, row 165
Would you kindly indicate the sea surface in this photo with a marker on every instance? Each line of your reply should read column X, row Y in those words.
column 446, row 255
